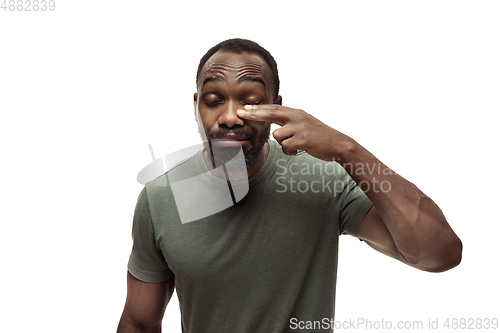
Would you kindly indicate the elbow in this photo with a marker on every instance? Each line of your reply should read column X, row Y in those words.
column 448, row 259
column 437, row 260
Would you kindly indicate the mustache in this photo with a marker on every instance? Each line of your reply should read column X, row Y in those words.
column 222, row 131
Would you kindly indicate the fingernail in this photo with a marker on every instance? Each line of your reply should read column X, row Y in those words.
column 248, row 107
column 240, row 112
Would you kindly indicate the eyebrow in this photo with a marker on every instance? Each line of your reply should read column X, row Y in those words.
column 251, row 78
column 213, row 79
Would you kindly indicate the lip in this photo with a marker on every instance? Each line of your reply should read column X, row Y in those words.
column 232, row 136
column 230, row 142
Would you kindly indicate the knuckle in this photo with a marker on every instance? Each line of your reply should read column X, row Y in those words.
column 297, row 114
column 272, row 111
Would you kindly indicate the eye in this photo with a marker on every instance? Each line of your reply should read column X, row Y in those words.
column 213, row 102
column 250, row 103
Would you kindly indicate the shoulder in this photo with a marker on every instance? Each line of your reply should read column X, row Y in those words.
column 159, row 189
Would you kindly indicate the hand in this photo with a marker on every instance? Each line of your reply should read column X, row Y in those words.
column 300, row 131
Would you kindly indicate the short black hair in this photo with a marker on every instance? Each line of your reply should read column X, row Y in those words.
column 238, row 45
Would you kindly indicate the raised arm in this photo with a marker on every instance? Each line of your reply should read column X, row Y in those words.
column 404, row 223
column 145, row 305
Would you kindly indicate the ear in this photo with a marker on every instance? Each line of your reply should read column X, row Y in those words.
column 195, row 101
column 279, row 100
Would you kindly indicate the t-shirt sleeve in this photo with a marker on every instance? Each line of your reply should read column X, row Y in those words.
column 146, row 261
column 354, row 206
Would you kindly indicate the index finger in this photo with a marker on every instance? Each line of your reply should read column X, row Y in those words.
column 266, row 112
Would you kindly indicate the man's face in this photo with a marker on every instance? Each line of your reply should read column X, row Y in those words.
column 228, row 82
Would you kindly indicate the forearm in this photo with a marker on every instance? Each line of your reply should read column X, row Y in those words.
column 419, row 229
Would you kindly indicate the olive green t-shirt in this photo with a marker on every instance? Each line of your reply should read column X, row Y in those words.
column 259, row 265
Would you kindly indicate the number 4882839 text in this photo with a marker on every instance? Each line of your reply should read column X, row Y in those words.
column 28, row 5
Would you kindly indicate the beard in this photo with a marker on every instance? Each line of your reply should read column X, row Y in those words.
column 226, row 156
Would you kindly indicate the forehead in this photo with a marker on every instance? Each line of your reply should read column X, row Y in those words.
column 233, row 64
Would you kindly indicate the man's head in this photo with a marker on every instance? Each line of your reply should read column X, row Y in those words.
column 232, row 74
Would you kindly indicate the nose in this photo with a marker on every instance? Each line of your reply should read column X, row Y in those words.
column 228, row 115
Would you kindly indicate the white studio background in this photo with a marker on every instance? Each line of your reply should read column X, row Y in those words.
column 85, row 88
